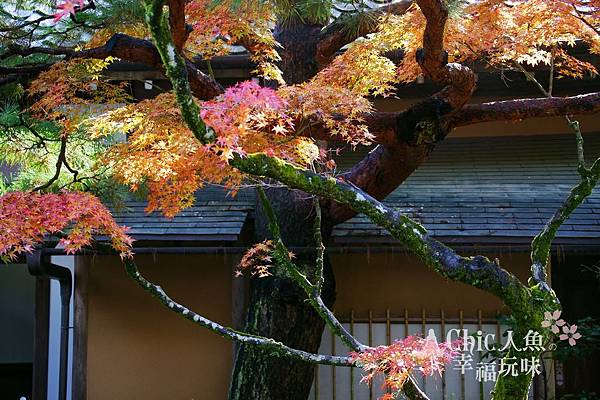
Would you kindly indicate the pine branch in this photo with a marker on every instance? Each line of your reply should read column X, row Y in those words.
column 336, row 35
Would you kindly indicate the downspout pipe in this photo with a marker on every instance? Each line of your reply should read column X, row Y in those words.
column 40, row 266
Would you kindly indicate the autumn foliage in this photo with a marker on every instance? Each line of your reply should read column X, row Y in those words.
column 216, row 26
column 148, row 147
column 26, row 218
column 162, row 155
column 403, row 359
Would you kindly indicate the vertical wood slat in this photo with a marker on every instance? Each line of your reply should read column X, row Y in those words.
column 388, row 327
column 388, row 334
column 316, row 383
column 461, row 321
column 41, row 339
column 332, row 367
column 479, row 327
column 443, row 338
column 374, row 324
column 370, row 344
column 424, row 334
column 352, row 368
column 80, row 329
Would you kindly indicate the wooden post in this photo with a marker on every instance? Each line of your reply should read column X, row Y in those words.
column 80, row 298
column 238, row 298
column 40, row 344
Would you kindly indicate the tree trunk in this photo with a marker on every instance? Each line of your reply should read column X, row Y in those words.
column 278, row 309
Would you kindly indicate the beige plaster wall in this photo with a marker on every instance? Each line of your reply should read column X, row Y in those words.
column 398, row 280
column 138, row 349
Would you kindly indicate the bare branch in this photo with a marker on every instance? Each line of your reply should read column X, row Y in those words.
column 541, row 244
column 519, row 109
column 276, row 348
column 45, row 17
column 27, row 51
column 179, row 29
column 59, row 163
column 25, row 70
column 132, row 49
column 433, row 59
column 574, row 124
column 9, row 79
column 319, row 278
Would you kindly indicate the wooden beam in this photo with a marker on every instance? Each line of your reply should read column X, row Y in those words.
column 80, row 329
column 41, row 339
column 149, row 74
column 238, row 298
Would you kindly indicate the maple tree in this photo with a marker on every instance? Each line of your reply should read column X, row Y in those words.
column 64, row 123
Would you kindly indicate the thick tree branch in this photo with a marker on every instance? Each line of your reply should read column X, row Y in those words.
column 514, row 110
column 27, row 51
column 335, row 36
column 459, row 80
column 433, row 58
column 475, row 271
column 416, row 130
column 176, row 69
column 24, row 70
column 179, row 29
column 9, row 79
column 274, row 347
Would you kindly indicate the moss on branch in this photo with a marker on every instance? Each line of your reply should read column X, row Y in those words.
column 313, row 291
column 476, row 271
column 175, row 68
column 541, row 245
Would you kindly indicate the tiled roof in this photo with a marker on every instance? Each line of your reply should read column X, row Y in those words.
column 475, row 190
column 490, row 189
column 215, row 217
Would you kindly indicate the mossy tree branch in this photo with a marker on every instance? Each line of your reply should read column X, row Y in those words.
column 476, row 271
column 319, row 277
column 175, row 68
column 527, row 303
column 542, row 243
column 312, row 290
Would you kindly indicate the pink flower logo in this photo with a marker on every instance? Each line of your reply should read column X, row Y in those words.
column 552, row 321
column 570, row 334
